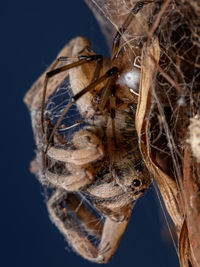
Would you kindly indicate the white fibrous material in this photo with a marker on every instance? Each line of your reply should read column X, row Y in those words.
column 131, row 79
column 194, row 138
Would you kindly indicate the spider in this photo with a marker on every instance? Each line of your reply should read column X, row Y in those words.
column 112, row 177
column 103, row 158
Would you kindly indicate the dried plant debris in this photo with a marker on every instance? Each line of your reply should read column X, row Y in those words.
column 169, row 101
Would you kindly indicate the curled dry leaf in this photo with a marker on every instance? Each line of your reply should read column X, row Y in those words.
column 166, row 184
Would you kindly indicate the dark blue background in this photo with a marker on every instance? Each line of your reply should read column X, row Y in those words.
column 33, row 33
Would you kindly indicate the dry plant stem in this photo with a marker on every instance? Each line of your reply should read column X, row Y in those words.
column 191, row 184
column 167, row 77
column 157, row 21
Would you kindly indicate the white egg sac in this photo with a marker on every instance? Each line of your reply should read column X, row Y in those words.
column 131, row 79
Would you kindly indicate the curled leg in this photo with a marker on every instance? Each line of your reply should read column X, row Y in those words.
column 111, row 200
column 71, row 181
column 76, row 222
column 88, row 149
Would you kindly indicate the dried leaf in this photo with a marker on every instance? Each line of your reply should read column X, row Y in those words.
column 166, row 184
column 184, row 247
column 191, row 192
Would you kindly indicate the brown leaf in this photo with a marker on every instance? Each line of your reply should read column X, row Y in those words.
column 166, row 184
column 191, row 193
column 184, row 247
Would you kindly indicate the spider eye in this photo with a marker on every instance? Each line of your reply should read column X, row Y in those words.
column 136, row 182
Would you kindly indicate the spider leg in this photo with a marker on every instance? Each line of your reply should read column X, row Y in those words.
column 106, row 92
column 76, row 222
column 113, row 72
column 62, row 217
column 70, row 182
column 81, row 61
column 87, row 218
column 111, row 200
column 110, row 74
column 99, row 64
column 112, row 233
column 112, row 113
column 116, row 41
column 88, row 149
column 117, row 209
